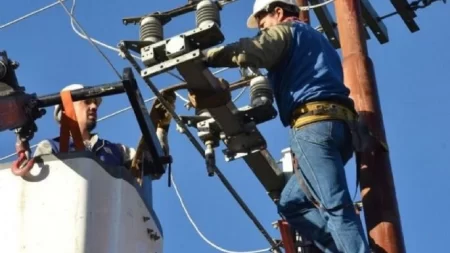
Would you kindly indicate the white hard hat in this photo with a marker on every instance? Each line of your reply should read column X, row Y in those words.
column 259, row 5
column 57, row 111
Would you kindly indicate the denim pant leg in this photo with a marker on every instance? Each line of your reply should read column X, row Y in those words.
column 304, row 217
column 322, row 150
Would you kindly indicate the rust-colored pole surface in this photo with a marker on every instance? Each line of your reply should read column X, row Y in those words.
column 377, row 184
column 304, row 15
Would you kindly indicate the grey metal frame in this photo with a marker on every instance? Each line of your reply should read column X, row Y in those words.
column 241, row 138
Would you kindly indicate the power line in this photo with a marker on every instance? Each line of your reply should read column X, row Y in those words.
column 200, row 149
column 198, row 230
column 72, row 11
column 30, row 14
column 83, row 36
column 89, row 39
column 223, row 179
column 99, row 120
column 115, row 113
column 319, row 5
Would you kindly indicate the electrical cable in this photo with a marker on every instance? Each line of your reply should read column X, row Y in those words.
column 89, row 39
column 83, row 36
column 72, row 11
column 92, row 41
column 30, row 14
column 234, row 86
column 200, row 149
column 183, row 206
column 311, row 7
column 180, row 124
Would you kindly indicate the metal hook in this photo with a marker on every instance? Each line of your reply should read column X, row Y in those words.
column 22, row 165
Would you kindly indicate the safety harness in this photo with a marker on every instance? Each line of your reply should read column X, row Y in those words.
column 69, row 128
column 69, row 125
column 362, row 139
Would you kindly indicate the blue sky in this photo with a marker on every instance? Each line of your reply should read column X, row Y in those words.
column 412, row 72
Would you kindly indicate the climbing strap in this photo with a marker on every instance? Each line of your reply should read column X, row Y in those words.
column 301, row 180
column 69, row 124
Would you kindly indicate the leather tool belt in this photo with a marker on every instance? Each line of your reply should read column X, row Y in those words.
column 322, row 110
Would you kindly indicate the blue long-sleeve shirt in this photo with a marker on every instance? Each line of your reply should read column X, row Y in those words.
column 302, row 65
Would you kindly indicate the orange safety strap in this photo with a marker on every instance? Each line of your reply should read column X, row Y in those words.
column 69, row 124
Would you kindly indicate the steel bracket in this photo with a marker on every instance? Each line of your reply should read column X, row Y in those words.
column 160, row 52
column 236, row 128
column 372, row 20
column 406, row 13
column 258, row 114
column 157, row 161
column 238, row 132
column 327, row 22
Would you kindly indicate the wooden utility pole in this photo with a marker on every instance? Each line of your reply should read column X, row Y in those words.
column 377, row 184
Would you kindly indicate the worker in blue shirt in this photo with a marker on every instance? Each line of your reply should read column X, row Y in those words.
column 306, row 76
column 114, row 154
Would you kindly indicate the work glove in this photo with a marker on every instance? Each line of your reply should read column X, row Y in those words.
column 163, row 140
column 209, row 57
column 205, row 57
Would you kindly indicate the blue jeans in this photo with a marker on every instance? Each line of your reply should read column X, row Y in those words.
column 322, row 150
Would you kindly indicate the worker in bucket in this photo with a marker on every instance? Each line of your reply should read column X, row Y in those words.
column 86, row 111
column 306, row 75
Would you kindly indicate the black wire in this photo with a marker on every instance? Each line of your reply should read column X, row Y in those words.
column 200, row 149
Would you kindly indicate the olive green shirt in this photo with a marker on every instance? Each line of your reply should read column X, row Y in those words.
column 263, row 51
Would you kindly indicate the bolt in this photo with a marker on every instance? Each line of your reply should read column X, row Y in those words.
column 275, row 225
column 153, row 235
column 15, row 64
